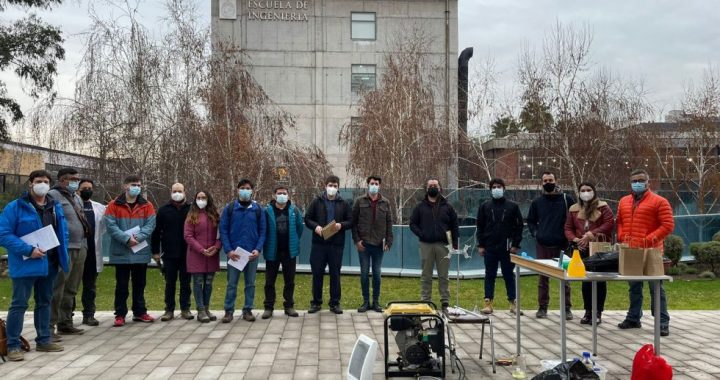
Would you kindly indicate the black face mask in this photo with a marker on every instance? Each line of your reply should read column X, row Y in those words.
column 433, row 192
column 86, row 194
column 549, row 187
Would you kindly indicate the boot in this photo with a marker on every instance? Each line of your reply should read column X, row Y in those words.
column 513, row 307
column 267, row 314
column 290, row 312
column 210, row 315
column 169, row 315
column 202, row 316
column 488, row 309
column 186, row 314
column 228, row 317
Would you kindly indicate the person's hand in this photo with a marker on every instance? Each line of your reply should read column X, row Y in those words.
column 513, row 250
column 481, row 251
column 386, row 248
column 37, row 253
column 583, row 242
column 360, row 246
column 254, row 255
column 318, row 230
column 156, row 257
column 233, row 256
column 338, row 226
column 590, row 236
column 132, row 242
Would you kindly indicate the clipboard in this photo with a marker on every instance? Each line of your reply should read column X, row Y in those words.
column 329, row 230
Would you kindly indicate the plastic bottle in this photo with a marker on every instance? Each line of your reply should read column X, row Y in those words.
column 576, row 267
column 587, row 360
column 520, row 373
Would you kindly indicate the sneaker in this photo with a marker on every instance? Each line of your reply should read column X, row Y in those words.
column 186, row 314
column 210, row 315
column 145, row 318
column 513, row 308
column 568, row 314
column 202, row 316
column 70, row 330
column 664, row 330
column 228, row 317
column 56, row 338
column 336, row 309
column 376, row 308
column 488, row 309
column 248, row 316
column 90, row 321
column 119, row 321
column 624, row 325
column 363, row 308
column 267, row 314
column 50, row 347
column 169, row 315
column 541, row 313
column 290, row 312
column 314, row 308
column 16, row 355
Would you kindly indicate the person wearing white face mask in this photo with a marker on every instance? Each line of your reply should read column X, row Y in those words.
column 31, row 268
column 324, row 209
column 589, row 220
column 168, row 239
column 499, row 233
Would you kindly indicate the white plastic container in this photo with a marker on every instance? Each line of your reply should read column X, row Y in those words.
column 600, row 371
column 549, row 364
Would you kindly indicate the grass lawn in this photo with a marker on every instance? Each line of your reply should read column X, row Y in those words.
column 682, row 295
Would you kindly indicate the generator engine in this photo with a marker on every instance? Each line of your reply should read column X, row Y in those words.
column 417, row 339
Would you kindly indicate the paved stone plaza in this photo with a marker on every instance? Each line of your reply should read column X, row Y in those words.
column 319, row 346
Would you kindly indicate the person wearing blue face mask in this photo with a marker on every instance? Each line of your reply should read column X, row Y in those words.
column 499, row 232
column 66, row 285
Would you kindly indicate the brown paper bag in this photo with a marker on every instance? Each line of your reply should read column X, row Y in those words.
column 653, row 262
column 600, row 246
column 631, row 261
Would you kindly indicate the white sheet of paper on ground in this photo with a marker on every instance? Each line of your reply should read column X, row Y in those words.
column 43, row 238
column 139, row 246
column 240, row 263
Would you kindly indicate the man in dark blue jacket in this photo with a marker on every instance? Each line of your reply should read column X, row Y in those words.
column 242, row 225
column 32, row 267
column 499, row 232
column 546, row 222
column 325, row 208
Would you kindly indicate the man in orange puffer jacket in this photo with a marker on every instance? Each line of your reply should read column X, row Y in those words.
column 644, row 220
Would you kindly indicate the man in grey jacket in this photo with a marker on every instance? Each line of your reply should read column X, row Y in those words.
column 66, row 285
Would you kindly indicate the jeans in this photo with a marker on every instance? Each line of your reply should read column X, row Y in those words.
column 89, row 285
column 66, row 288
column 233, row 277
column 321, row 256
column 21, row 288
column 636, row 303
column 543, row 282
column 434, row 254
column 172, row 269
column 492, row 260
column 202, row 289
column 123, row 273
column 372, row 253
column 272, row 267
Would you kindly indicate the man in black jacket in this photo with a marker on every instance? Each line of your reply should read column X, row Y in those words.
column 546, row 222
column 168, row 237
column 431, row 219
column 325, row 208
column 499, row 232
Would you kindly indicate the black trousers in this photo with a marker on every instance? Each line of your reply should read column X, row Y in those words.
column 587, row 291
column 322, row 256
column 272, row 267
column 174, row 268
column 123, row 274
column 89, row 283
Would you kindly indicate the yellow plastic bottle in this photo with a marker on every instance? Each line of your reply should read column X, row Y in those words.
column 576, row 267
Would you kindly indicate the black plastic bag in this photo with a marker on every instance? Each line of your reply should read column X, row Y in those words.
column 574, row 370
column 602, row 262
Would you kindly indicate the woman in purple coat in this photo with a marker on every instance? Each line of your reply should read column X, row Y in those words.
column 203, row 254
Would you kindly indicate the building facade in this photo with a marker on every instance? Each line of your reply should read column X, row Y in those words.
column 313, row 58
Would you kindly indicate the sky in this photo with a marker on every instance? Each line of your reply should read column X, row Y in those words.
column 663, row 43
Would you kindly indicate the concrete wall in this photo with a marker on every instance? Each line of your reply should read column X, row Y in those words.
column 305, row 66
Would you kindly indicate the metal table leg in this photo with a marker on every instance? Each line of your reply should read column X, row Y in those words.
column 562, row 322
column 594, row 318
column 492, row 345
column 517, row 314
column 656, row 285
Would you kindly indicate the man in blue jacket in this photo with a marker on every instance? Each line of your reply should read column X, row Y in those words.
column 242, row 225
column 282, row 246
column 31, row 267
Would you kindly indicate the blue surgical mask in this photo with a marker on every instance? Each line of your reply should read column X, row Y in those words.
column 497, row 193
column 638, row 187
column 134, row 191
column 245, row 194
column 73, row 186
column 281, row 198
column 373, row 189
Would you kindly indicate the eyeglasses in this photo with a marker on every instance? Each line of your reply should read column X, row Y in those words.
column 639, row 181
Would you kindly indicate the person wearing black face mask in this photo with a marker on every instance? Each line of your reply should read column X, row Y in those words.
column 546, row 222
column 94, row 212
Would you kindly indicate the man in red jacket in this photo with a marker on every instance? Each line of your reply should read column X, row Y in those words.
column 644, row 219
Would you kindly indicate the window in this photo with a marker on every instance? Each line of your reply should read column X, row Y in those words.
column 362, row 26
column 362, row 79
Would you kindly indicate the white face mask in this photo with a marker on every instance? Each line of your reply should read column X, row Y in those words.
column 177, row 197
column 281, row 198
column 586, row 196
column 41, row 189
column 331, row 191
column 201, row 203
column 497, row 193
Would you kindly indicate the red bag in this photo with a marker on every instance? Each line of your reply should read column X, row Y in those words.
column 648, row 366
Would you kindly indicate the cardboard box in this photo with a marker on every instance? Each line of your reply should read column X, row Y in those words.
column 631, row 261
